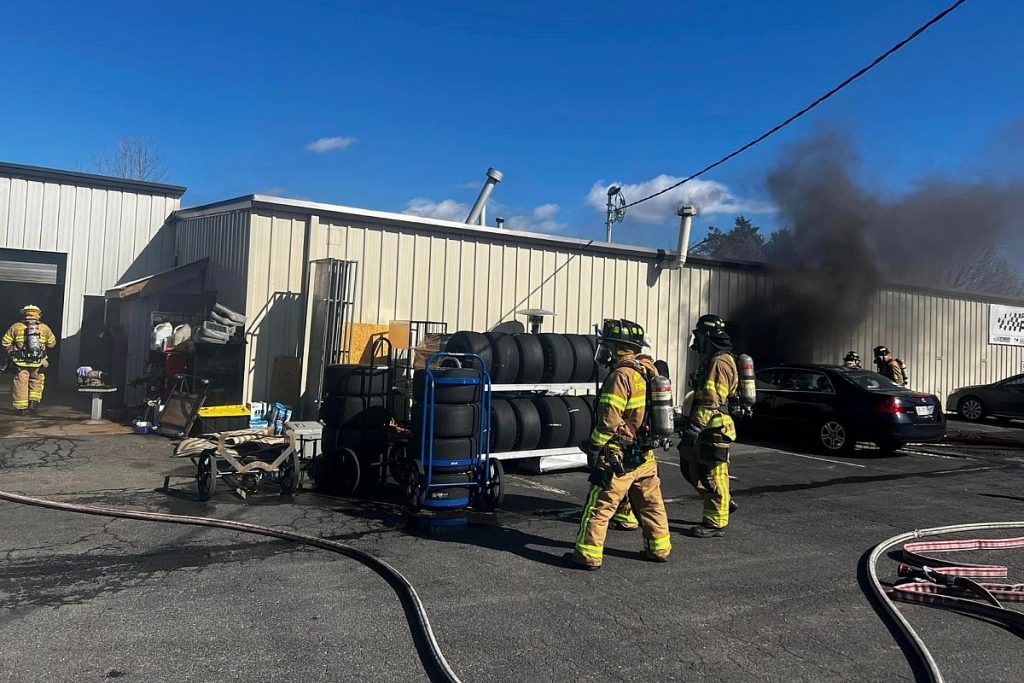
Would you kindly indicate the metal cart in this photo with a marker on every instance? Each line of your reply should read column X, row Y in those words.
column 244, row 459
column 485, row 485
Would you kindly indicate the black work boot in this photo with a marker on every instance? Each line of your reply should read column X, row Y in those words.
column 570, row 561
column 733, row 507
column 33, row 407
column 705, row 531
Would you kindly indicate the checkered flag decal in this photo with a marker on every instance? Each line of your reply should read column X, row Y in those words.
column 1011, row 322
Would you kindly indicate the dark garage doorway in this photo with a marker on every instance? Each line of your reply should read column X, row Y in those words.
column 31, row 277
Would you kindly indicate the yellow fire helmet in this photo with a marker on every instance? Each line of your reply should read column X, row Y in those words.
column 32, row 311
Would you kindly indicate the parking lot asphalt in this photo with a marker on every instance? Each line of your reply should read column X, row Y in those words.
column 777, row 598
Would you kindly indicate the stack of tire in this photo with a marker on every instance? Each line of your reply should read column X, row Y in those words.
column 355, row 420
column 531, row 358
column 446, row 442
column 540, row 422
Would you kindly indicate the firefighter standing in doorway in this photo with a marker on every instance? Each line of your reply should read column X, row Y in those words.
column 709, row 429
column 26, row 343
column 890, row 366
column 622, row 462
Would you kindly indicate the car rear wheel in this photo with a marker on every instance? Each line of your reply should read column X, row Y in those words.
column 834, row 437
column 971, row 408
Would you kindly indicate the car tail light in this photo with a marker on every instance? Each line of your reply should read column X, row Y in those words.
column 891, row 406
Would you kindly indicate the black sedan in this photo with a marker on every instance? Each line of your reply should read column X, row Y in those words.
column 837, row 407
column 1002, row 399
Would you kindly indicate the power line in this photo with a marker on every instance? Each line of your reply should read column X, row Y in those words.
column 878, row 60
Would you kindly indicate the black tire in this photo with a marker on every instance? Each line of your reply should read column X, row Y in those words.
column 412, row 484
column 329, row 440
column 290, row 473
column 354, row 412
column 341, row 473
column 355, row 380
column 450, row 455
column 584, row 367
column 492, row 495
column 527, row 424
column 206, row 475
column 503, row 426
column 581, row 419
column 449, row 393
column 450, row 421
column 559, row 361
column 555, row 422
column 834, row 437
column 971, row 408
column 531, row 359
column 600, row 371
column 505, row 358
column 471, row 342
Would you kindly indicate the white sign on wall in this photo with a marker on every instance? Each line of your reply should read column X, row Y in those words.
column 1005, row 325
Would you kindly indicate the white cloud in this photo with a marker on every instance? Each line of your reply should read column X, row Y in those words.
column 471, row 185
column 446, row 209
column 541, row 219
column 332, row 144
column 708, row 196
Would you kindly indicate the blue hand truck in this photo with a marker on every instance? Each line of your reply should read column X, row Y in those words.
column 476, row 481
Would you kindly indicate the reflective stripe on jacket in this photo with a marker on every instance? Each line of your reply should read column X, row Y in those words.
column 622, row 403
column 715, row 383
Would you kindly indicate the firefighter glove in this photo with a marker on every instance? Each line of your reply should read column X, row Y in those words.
column 690, row 434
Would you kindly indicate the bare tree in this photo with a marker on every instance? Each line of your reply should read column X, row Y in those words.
column 132, row 158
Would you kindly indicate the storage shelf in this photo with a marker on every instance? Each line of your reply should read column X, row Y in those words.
column 539, row 453
column 553, row 388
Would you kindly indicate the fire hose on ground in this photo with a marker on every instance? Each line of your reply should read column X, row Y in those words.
column 946, row 584
column 427, row 647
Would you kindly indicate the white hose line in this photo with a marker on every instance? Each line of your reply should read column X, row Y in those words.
column 920, row 649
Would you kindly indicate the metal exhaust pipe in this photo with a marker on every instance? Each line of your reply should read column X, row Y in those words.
column 686, row 214
column 477, row 213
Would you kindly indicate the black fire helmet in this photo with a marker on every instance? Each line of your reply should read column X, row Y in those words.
column 624, row 332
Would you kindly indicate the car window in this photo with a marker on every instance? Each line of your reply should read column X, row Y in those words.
column 769, row 379
column 808, row 380
column 1013, row 382
column 872, row 381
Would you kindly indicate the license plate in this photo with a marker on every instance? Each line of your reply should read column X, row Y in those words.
column 924, row 411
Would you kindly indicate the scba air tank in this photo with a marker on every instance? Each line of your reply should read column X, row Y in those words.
column 662, row 419
column 748, row 381
column 33, row 343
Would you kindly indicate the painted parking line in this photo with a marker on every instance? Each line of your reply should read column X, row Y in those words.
column 528, row 484
column 815, row 457
column 936, row 455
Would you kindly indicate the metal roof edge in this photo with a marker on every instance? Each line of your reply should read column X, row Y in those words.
column 307, row 207
column 90, row 179
column 223, row 206
column 198, row 264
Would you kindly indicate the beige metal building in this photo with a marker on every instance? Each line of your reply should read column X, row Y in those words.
column 67, row 237
column 260, row 249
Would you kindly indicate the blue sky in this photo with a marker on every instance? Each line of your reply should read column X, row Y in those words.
column 417, row 99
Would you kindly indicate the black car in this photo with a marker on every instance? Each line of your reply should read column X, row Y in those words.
column 1002, row 399
column 838, row 406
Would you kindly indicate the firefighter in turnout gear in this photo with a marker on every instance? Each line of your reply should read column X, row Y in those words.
column 709, row 429
column 26, row 343
column 620, row 451
column 890, row 366
column 852, row 360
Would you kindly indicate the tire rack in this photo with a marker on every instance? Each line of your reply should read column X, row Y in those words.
column 568, row 457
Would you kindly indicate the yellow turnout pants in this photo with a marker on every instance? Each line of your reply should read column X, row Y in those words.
column 710, row 477
column 27, row 386
column 642, row 487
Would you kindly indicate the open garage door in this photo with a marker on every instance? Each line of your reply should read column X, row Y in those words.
column 31, row 277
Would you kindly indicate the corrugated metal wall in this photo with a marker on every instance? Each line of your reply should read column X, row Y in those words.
column 224, row 239
column 480, row 280
column 275, row 303
column 110, row 236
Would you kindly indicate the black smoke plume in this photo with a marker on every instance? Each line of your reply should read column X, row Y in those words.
column 844, row 243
